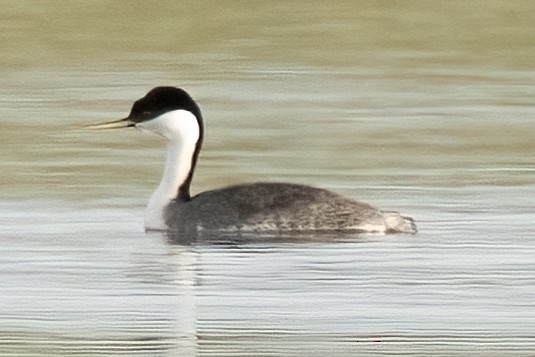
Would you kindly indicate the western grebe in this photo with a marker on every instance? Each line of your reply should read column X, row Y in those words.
column 258, row 207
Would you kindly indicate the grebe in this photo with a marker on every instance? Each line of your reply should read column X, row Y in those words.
column 258, row 207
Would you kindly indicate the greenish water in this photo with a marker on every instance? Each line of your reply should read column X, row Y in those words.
column 421, row 107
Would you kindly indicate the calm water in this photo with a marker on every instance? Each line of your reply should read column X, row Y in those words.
column 422, row 107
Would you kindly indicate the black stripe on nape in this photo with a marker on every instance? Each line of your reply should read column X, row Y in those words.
column 161, row 100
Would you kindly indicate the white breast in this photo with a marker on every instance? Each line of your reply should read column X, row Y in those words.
column 154, row 213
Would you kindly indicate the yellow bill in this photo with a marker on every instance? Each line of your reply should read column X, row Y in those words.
column 122, row 123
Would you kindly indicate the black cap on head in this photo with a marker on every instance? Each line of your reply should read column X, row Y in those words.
column 160, row 100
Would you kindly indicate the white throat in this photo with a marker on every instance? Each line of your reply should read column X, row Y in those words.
column 181, row 129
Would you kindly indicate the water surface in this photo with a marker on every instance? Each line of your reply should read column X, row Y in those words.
column 425, row 108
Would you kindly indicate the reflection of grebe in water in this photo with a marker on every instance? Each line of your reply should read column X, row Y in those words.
column 259, row 207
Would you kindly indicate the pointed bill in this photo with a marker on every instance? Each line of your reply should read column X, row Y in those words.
column 122, row 123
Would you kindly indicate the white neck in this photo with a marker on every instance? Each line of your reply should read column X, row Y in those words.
column 180, row 127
